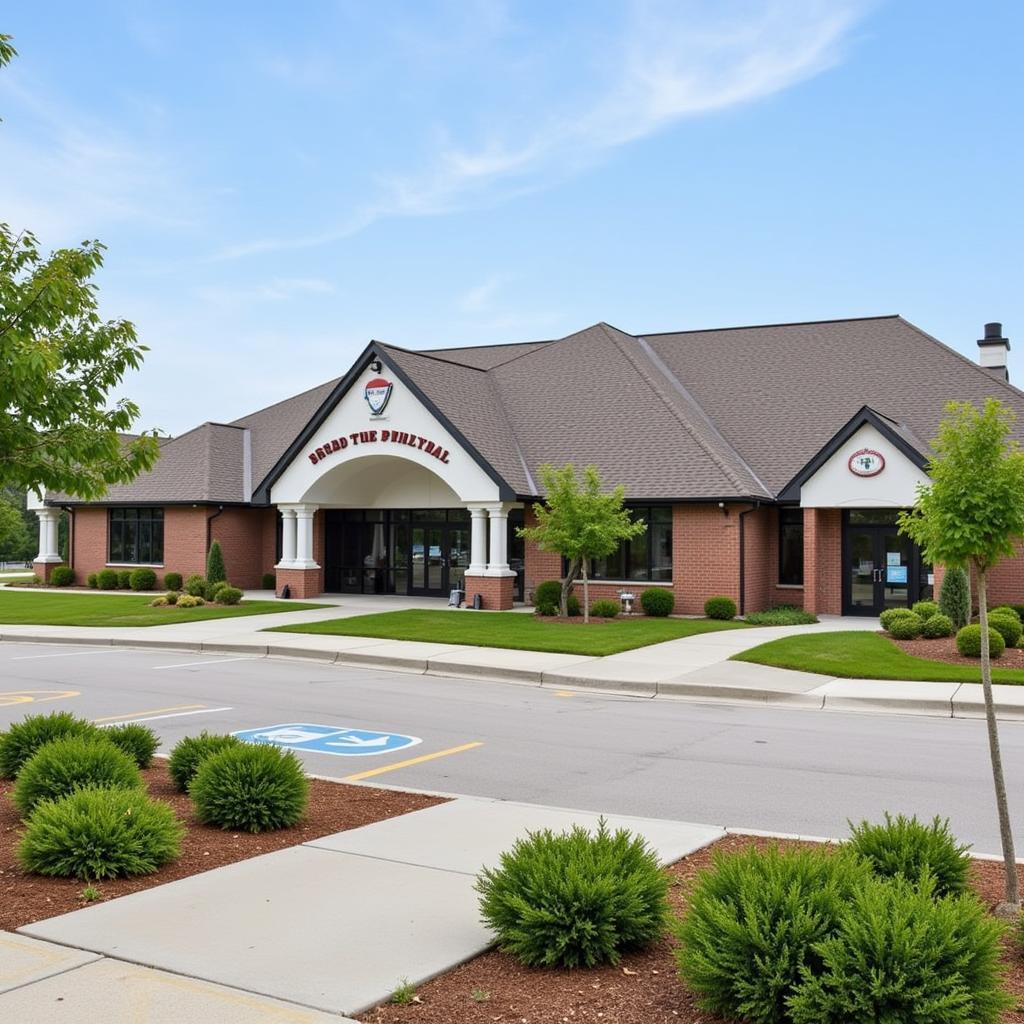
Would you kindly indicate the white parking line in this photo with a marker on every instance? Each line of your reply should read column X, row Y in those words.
column 174, row 714
column 70, row 654
column 189, row 664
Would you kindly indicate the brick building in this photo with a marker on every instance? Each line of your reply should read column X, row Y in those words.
column 769, row 464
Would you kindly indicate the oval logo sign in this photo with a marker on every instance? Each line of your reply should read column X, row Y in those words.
column 866, row 462
column 377, row 392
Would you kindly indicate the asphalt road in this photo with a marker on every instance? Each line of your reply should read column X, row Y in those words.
column 741, row 766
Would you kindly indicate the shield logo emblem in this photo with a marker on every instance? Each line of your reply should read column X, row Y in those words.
column 377, row 392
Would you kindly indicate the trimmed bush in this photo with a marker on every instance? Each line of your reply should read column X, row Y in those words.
column 924, row 610
column 107, row 579
column 142, row 579
column 62, row 576
column 124, row 579
column 158, row 602
column 720, row 608
column 784, row 615
column 906, row 627
column 269, row 581
column 92, row 581
column 752, row 922
column 250, row 788
column 1019, row 609
column 891, row 614
column 955, row 597
column 1007, row 625
column 138, row 741
column 213, row 589
column 94, row 834
column 215, row 571
column 657, row 602
column 572, row 605
column 195, row 585
column 546, row 597
column 229, row 595
column 907, row 848
column 188, row 753
column 576, row 899
column 188, row 601
column 901, row 955
column 1007, row 608
column 75, row 762
column 968, row 642
column 24, row 738
column 938, row 626
column 172, row 580
column 172, row 596
column 605, row 609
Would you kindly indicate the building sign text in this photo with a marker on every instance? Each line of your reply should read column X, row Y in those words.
column 357, row 437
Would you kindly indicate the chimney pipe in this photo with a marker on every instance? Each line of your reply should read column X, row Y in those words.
column 993, row 351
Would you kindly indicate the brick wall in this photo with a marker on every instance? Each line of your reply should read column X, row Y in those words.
column 705, row 555
column 538, row 565
column 823, row 553
column 760, row 557
column 241, row 533
column 495, row 591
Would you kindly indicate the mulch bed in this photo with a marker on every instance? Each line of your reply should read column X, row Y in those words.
column 333, row 807
column 643, row 989
column 944, row 649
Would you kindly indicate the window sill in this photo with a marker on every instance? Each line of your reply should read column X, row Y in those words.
column 134, row 565
column 789, row 586
column 624, row 583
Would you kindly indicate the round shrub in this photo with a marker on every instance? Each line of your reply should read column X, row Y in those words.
column 75, row 762
column 968, row 642
column 546, row 597
column 906, row 627
column 92, row 581
column 229, row 595
column 142, row 579
column 720, row 608
column 158, row 602
column 190, row 752
column 1007, row 608
column 172, row 580
column 269, row 581
column 1008, row 626
column 107, row 579
column 24, row 738
column 901, row 954
column 62, row 576
column 938, row 626
column 138, row 741
column 172, row 596
column 124, row 579
column 195, row 585
column 657, row 602
column 908, row 848
column 189, row 601
column 605, row 609
column 891, row 614
column 572, row 605
column 576, row 899
column 250, row 788
column 751, row 924
column 94, row 834
column 925, row 609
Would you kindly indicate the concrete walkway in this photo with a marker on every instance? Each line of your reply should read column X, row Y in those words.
column 334, row 925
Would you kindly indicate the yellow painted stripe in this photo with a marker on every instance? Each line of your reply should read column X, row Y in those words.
column 359, row 776
column 151, row 711
column 35, row 696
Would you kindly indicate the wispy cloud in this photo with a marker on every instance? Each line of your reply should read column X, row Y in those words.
column 280, row 289
column 480, row 298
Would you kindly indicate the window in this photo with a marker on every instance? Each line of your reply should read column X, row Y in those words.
column 647, row 557
column 791, row 546
column 136, row 535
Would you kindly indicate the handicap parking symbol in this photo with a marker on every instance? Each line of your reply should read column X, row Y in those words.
column 328, row 739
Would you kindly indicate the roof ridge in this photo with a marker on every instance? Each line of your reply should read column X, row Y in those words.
column 427, row 355
column 784, row 323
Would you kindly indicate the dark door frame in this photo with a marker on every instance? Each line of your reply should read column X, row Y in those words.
column 878, row 532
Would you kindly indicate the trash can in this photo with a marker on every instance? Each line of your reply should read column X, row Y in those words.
column 455, row 598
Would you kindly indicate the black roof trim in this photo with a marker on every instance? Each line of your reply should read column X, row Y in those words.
column 865, row 415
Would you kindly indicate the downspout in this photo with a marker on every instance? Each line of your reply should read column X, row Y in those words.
column 743, row 556
column 71, row 535
column 209, row 526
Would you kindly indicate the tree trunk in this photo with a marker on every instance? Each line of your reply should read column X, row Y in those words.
column 570, row 577
column 1005, row 831
column 586, row 593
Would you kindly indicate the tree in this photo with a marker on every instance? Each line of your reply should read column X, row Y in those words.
column 955, row 596
column 972, row 514
column 215, row 572
column 579, row 522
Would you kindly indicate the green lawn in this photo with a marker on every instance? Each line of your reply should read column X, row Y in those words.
column 49, row 609
column 864, row 655
column 518, row 631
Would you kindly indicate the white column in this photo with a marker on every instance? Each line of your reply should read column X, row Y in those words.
column 478, row 540
column 48, row 518
column 287, row 539
column 497, row 564
column 304, row 537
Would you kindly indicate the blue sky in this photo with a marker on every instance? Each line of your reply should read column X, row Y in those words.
column 278, row 184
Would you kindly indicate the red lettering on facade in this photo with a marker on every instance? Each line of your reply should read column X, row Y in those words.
column 313, row 458
column 338, row 444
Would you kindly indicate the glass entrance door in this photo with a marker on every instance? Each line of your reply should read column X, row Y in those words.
column 428, row 561
column 881, row 568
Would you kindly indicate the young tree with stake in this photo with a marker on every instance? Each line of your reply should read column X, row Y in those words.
column 972, row 515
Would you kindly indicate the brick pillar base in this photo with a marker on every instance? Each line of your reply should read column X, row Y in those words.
column 495, row 591
column 301, row 583
column 43, row 569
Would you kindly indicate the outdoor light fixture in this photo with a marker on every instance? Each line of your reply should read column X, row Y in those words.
column 626, row 599
column 376, row 365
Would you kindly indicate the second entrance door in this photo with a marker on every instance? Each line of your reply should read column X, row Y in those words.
column 440, row 558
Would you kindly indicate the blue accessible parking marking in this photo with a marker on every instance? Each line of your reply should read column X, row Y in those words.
column 328, row 739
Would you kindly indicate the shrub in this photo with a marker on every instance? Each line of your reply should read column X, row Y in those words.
column 107, row 579
column 1019, row 609
column 24, row 738
column 572, row 605
column 124, row 579
column 158, row 602
column 955, row 597
column 906, row 627
column 576, row 899
column 213, row 589
column 172, row 580
column 138, row 741
column 229, row 595
column 75, row 762
column 190, row 752
column 215, row 572
column 188, row 601
column 171, row 597
column 908, row 848
column 938, row 626
column 890, row 615
column 605, row 609
column 251, row 788
column 269, row 581
column 720, row 608
column 195, row 585
column 1007, row 608
column 143, row 579
column 752, row 920
column 924, row 610
column 1008, row 626
column 899, row 954
column 100, row 833
column 62, row 576
column 657, row 602
column 546, row 597
column 92, row 581
column 968, row 642
column 784, row 615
